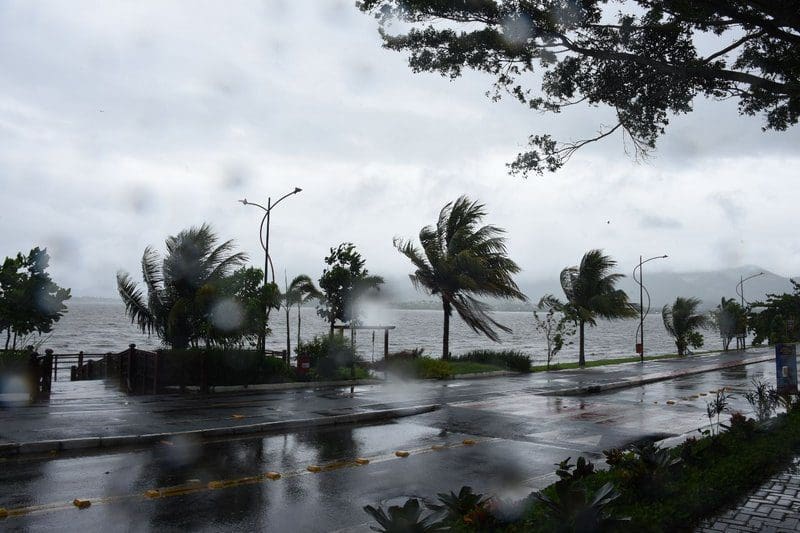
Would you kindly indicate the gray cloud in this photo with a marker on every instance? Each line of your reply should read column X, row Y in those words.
column 125, row 123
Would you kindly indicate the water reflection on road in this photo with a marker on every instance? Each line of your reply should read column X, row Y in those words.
column 519, row 436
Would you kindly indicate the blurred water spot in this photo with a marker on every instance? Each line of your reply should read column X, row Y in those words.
column 177, row 452
column 517, row 30
column 64, row 248
column 140, row 199
column 15, row 390
column 235, row 177
column 227, row 315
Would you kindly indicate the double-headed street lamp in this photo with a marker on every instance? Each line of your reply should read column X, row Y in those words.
column 263, row 238
column 740, row 286
column 642, row 313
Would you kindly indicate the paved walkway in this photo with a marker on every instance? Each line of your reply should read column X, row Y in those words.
column 96, row 410
column 773, row 507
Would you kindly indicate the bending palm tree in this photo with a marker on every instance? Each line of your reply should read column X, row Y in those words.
column 297, row 292
column 461, row 261
column 591, row 293
column 193, row 262
column 682, row 322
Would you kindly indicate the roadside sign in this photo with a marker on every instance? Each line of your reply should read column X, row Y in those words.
column 786, row 368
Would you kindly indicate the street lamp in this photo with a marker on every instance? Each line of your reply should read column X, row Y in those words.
column 740, row 286
column 642, row 313
column 263, row 238
column 740, row 292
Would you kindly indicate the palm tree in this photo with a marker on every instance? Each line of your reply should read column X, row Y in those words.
column 591, row 293
column 177, row 285
column 460, row 261
column 297, row 292
column 682, row 322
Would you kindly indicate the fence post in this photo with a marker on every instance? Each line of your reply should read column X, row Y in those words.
column 47, row 370
column 80, row 359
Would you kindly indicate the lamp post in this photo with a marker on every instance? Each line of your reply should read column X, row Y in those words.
column 740, row 286
column 263, row 239
column 641, row 299
column 740, row 292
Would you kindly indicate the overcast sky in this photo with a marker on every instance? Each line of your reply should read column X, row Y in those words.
column 124, row 122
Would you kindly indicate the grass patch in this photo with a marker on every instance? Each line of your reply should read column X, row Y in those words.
column 504, row 359
column 468, row 367
column 601, row 362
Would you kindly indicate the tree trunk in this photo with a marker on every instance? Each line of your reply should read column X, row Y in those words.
column 288, row 342
column 8, row 337
column 446, row 332
column 581, row 359
column 333, row 319
column 14, row 346
column 298, row 325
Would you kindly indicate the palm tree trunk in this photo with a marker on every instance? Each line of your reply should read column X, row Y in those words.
column 581, row 359
column 8, row 337
column 446, row 332
column 298, row 325
column 288, row 342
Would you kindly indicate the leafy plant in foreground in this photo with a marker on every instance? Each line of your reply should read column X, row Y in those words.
column 715, row 408
column 465, row 506
column 577, row 510
column 763, row 399
column 405, row 519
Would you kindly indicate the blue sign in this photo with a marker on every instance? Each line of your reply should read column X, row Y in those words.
column 786, row 368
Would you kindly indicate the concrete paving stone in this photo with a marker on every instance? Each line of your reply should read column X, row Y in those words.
column 777, row 514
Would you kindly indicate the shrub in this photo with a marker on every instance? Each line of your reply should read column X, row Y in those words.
column 421, row 367
column 509, row 359
column 337, row 348
column 222, row 367
column 427, row 368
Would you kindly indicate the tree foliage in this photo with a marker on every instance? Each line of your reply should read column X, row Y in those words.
column 343, row 282
column 30, row 301
column 777, row 319
column 555, row 329
column 194, row 296
column 460, row 261
column 590, row 289
column 300, row 290
column 683, row 322
column 644, row 59
column 731, row 320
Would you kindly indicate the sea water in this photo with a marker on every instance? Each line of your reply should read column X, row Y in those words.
column 101, row 326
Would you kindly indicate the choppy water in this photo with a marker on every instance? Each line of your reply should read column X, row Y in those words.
column 101, row 326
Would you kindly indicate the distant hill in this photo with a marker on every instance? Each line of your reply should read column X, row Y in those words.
column 664, row 287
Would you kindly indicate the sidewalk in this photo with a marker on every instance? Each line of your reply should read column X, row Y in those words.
column 773, row 507
column 92, row 414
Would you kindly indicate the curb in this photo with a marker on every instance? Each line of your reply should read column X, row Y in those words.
column 635, row 382
column 85, row 443
column 280, row 386
column 490, row 374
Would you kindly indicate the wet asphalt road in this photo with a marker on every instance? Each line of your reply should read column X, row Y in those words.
column 518, row 437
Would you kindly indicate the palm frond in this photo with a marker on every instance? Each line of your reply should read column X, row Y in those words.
column 135, row 306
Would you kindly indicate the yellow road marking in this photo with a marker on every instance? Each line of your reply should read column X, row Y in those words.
column 196, row 486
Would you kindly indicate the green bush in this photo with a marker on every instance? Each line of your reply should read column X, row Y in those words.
column 337, row 348
column 222, row 367
column 13, row 359
column 676, row 489
column 508, row 359
column 421, row 367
